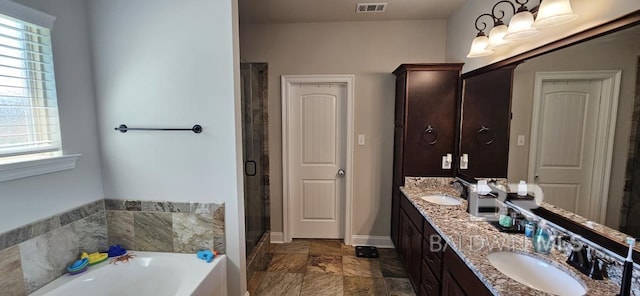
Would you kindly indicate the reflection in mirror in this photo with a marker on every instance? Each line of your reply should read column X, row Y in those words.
column 574, row 128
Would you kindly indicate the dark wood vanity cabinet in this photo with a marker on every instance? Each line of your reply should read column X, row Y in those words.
column 486, row 118
column 458, row 279
column 410, row 244
column 425, row 125
column 433, row 268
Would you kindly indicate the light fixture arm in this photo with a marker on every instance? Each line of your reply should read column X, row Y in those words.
column 498, row 20
column 484, row 25
column 522, row 5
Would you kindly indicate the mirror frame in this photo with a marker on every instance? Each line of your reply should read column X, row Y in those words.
column 624, row 22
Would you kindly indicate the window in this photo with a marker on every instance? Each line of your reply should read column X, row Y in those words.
column 28, row 105
column 29, row 125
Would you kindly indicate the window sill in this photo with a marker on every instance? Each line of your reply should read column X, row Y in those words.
column 28, row 168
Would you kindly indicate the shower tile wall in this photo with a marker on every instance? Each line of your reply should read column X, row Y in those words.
column 33, row 255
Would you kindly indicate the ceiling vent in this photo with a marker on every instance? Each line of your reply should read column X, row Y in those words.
column 371, row 7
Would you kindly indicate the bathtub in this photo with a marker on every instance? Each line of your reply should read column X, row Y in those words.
column 148, row 273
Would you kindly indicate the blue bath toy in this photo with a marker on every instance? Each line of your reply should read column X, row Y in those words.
column 206, row 255
column 78, row 266
column 116, row 250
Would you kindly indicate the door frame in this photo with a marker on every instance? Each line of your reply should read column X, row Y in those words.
column 286, row 83
column 605, row 133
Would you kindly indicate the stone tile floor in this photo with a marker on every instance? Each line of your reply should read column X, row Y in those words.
column 328, row 267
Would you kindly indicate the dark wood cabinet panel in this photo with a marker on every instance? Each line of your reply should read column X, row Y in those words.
column 430, row 283
column 411, row 249
column 426, row 96
column 486, row 118
column 458, row 279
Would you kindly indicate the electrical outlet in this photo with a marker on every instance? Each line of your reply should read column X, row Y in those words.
column 446, row 165
column 520, row 140
column 360, row 140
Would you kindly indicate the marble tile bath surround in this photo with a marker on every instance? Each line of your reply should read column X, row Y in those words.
column 33, row 255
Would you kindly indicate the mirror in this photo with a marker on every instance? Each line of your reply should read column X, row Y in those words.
column 571, row 130
column 608, row 59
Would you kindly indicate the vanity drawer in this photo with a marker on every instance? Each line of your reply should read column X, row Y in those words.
column 433, row 258
column 412, row 213
column 429, row 233
column 430, row 285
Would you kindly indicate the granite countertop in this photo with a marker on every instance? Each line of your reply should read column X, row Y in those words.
column 474, row 240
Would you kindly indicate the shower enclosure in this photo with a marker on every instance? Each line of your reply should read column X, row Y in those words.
column 255, row 151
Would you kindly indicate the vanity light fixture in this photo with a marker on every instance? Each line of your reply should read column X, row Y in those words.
column 481, row 42
column 521, row 26
column 554, row 12
column 496, row 35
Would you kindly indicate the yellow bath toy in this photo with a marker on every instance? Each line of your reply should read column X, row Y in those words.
column 95, row 258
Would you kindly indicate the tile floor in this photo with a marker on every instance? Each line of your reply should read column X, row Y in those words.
column 328, row 267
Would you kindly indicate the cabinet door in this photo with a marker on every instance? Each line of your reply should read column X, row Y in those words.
column 410, row 249
column 458, row 279
column 449, row 285
column 430, row 122
column 485, row 125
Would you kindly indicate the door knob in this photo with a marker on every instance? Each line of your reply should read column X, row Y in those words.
column 340, row 172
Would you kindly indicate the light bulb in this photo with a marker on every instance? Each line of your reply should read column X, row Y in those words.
column 496, row 36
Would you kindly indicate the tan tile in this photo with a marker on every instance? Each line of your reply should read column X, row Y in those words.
column 297, row 246
column 325, row 247
column 255, row 281
column 317, row 284
column 11, row 279
column 364, row 286
column 325, row 264
column 280, row 284
column 348, row 250
column 288, row 263
column 399, row 287
column 362, row 267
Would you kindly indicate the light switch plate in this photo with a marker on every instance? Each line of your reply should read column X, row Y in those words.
column 445, row 164
column 520, row 140
column 464, row 165
column 360, row 140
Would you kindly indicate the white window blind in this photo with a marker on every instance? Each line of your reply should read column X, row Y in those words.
column 28, row 104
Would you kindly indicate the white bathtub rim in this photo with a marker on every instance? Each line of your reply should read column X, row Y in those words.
column 68, row 279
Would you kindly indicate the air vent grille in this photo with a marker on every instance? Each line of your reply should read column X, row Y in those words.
column 371, row 7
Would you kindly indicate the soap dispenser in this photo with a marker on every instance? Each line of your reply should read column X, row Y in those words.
column 542, row 241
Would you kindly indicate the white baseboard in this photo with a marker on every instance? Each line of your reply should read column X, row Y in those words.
column 277, row 237
column 371, row 240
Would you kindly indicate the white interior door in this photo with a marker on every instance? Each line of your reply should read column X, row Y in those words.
column 317, row 125
column 566, row 143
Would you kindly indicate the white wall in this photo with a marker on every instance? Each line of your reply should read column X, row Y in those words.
column 461, row 28
column 371, row 51
column 29, row 199
column 164, row 63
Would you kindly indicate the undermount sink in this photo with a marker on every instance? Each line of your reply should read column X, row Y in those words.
column 442, row 200
column 536, row 273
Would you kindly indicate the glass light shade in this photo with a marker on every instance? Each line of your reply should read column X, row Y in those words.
column 479, row 47
column 496, row 36
column 554, row 12
column 521, row 26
